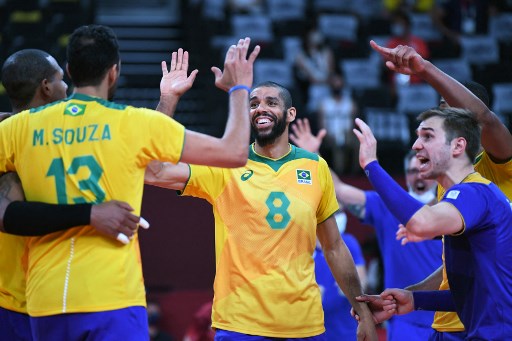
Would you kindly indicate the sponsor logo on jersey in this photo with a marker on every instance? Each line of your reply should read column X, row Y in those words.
column 452, row 194
column 304, row 177
column 247, row 174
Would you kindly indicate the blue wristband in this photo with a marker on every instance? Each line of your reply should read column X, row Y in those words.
column 239, row 87
column 397, row 200
column 437, row 300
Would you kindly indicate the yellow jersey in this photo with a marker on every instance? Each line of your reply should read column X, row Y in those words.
column 266, row 216
column 85, row 149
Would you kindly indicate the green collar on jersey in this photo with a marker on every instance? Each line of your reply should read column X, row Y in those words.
column 295, row 153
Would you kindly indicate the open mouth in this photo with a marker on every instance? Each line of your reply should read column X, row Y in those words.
column 424, row 162
column 263, row 121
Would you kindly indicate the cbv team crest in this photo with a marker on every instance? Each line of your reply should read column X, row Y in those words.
column 304, row 177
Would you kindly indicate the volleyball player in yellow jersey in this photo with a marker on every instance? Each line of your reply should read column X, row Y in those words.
column 88, row 149
column 494, row 162
column 267, row 217
column 33, row 78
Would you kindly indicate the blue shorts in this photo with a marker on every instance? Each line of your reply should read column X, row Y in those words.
column 226, row 335
column 130, row 324
column 447, row 336
column 14, row 326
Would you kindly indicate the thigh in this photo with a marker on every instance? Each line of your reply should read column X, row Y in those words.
column 14, row 326
column 130, row 324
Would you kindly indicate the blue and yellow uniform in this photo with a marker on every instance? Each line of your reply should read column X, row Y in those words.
column 501, row 175
column 85, row 149
column 478, row 260
column 266, row 216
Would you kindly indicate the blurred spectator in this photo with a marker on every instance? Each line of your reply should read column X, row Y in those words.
column 246, row 6
column 154, row 314
column 314, row 64
column 401, row 35
column 455, row 18
column 201, row 327
column 336, row 115
column 339, row 325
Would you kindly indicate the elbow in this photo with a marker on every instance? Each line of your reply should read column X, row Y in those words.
column 238, row 159
column 420, row 227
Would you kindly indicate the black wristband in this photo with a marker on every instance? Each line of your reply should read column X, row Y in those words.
column 25, row 218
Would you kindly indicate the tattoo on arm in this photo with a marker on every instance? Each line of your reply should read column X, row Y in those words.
column 357, row 210
column 10, row 188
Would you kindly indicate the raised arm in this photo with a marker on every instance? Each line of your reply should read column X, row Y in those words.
column 344, row 271
column 232, row 149
column 175, row 82
column 496, row 138
column 352, row 198
column 422, row 221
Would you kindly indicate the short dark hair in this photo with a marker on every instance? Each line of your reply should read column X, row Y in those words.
column 458, row 123
column 283, row 92
column 91, row 52
column 478, row 90
column 22, row 74
column 403, row 15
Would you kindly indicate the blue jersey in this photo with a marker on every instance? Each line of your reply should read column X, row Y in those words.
column 339, row 325
column 479, row 259
column 404, row 265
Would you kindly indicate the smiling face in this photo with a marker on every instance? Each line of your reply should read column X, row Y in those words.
column 269, row 118
column 433, row 151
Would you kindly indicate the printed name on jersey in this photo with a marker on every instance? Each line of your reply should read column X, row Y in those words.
column 452, row 194
column 88, row 133
column 304, row 177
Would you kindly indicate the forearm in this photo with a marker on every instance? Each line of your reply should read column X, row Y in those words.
column 37, row 218
column 432, row 282
column 454, row 93
column 342, row 266
column 397, row 200
column 237, row 134
column 168, row 104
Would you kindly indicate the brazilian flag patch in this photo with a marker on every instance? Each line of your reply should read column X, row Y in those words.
column 304, row 177
column 74, row 109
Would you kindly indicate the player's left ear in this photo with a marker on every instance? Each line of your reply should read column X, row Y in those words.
column 459, row 146
column 291, row 113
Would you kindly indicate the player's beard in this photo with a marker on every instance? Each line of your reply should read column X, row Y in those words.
column 264, row 139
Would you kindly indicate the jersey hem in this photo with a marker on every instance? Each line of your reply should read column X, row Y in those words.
column 86, row 309
column 268, row 333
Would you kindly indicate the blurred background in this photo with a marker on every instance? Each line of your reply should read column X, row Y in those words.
column 318, row 49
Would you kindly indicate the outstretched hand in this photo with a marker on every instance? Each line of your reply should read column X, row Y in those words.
column 402, row 59
column 175, row 81
column 368, row 143
column 303, row 138
column 238, row 69
column 406, row 236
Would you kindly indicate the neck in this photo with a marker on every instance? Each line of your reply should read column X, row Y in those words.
column 94, row 91
column 453, row 177
column 276, row 150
